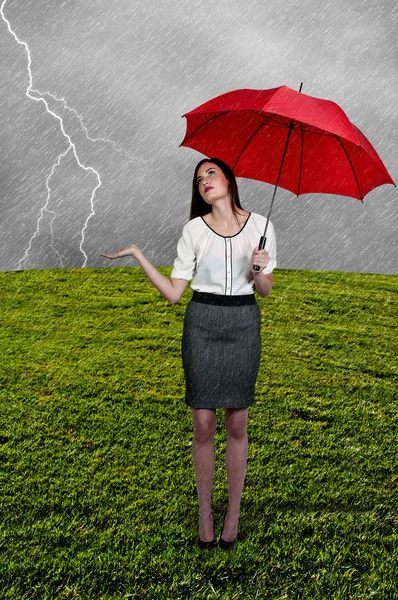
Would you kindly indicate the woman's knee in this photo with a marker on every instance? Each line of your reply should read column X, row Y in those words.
column 204, row 424
column 236, row 422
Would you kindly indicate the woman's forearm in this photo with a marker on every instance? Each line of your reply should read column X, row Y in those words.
column 161, row 283
column 263, row 284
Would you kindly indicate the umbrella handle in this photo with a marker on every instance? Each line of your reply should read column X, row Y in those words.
column 261, row 245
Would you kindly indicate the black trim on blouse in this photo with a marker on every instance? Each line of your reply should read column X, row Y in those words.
column 228, row 236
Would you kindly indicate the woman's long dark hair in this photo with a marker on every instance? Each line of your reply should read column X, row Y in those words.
column 198, row 206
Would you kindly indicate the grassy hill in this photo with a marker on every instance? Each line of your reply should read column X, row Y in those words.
column 98, row 497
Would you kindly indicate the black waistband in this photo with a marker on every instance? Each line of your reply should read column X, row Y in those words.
column 221, row 300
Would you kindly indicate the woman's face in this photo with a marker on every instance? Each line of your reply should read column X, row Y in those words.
column 212, row 182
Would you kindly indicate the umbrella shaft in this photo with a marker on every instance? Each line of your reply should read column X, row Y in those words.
column 263, row 238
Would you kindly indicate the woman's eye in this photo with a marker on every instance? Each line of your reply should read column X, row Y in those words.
column 210, row 172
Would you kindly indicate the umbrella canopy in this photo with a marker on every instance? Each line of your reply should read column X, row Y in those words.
column 256, row 131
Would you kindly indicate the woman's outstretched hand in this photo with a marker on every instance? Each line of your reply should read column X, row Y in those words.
column 129, row 251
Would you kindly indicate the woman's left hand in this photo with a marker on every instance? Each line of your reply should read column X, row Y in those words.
column 260, row 258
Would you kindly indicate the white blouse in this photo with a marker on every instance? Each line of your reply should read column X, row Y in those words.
column 220, row 264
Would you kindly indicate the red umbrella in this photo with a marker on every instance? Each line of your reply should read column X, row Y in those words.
column 298, row 142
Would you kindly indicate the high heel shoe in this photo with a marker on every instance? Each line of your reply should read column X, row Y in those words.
column 201, row 544
column 227, row 545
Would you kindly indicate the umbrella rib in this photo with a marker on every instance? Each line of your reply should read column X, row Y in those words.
column 284, row 124
column 278, row 124
column 351, row 165
column 202, row 125
column 319, row 133
column 249, row 140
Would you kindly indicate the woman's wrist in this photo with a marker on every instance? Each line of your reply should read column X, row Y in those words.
column 135, row 252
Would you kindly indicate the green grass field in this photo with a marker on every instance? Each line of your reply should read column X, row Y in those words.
column 98, row 497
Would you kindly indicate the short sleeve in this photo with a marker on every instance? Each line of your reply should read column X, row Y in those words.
column 185, row 264
column 270, row 247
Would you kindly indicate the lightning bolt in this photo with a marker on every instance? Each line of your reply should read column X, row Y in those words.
column 39, row 97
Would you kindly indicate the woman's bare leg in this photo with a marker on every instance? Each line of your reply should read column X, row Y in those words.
column 204, row 428
column 235, row 464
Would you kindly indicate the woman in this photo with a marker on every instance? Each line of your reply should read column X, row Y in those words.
column 221, row 342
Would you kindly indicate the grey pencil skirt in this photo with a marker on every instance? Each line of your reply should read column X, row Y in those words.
column 221, row 350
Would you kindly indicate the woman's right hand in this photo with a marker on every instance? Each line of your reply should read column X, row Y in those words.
column 129, row 251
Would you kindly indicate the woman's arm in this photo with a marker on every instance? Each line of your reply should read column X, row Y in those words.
column 262, row 281
column 161, row 283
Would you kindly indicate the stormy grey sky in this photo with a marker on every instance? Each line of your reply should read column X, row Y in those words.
column 124, row 72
